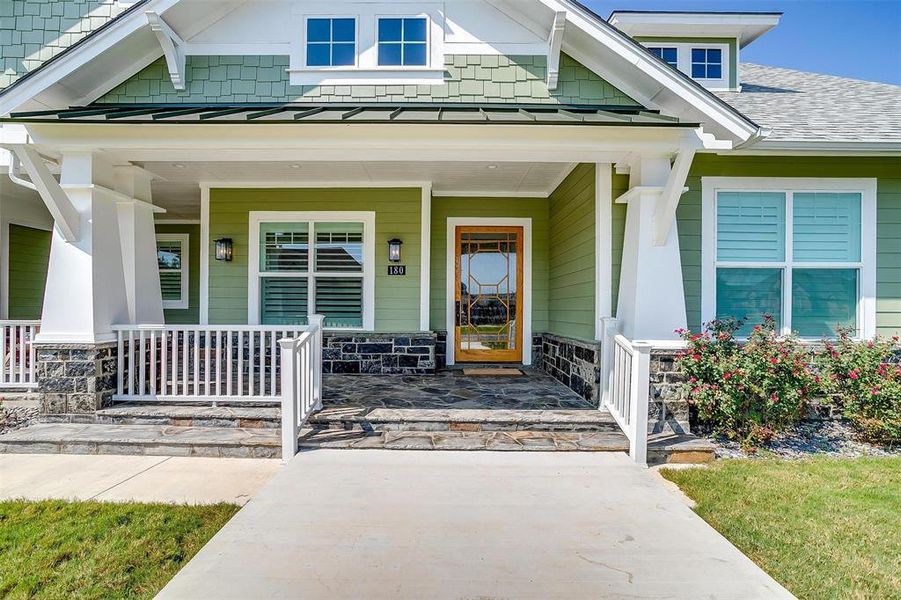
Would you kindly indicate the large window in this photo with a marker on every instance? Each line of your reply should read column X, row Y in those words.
column 331, row 42
column 172, row 261
column 796, row 254
column 314, row 265
column 403, row 41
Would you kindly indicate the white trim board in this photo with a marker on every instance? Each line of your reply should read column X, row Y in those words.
column 255, row 218
column 451, row 276
column 866, row 187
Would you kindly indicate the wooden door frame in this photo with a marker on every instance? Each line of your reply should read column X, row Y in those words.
column 525, row 304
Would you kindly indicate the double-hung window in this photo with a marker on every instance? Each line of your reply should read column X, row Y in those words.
column 796, row 254
column 315, row 266
column 403, row 41
column 172, row 261
column 706, row 63
column 667, row 55
column 331, row 42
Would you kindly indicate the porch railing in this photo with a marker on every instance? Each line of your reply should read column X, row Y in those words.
column 235, row 363
column 625, row 373
column 301, row 375
column 17, row 368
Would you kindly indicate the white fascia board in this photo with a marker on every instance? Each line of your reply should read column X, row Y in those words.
column 687, row 91
column 801, row 148
column 52, row 72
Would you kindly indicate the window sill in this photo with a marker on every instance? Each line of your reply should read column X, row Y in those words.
column 357, row 76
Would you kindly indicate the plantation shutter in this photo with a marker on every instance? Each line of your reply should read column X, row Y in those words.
column 340, row 299
column 169, row 261
column 750, row 226
column 284, row 300
column 826, row 227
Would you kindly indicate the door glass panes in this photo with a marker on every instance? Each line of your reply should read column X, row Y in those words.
column 403, row 42
column 749, row 294
column 826, row 227
column 339, row 247
column 331, row 42
column 750, row 226
column 823, row 300
column 487, row 308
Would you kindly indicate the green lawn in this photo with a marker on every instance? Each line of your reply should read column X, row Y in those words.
column 823, row 528
column 56, row 549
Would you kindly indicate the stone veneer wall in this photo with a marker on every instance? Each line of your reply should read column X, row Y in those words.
column 667, row 408
column 379, row 353
column 75, row 378
column 574, row 363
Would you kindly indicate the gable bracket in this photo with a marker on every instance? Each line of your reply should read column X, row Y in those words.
column 554, row 44
column 55, row 198
column 173, row 48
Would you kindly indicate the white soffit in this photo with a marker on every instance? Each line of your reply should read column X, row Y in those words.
column 746, row 27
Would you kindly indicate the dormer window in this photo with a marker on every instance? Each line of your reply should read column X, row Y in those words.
column 706, row 63
column 331, row 42
column 667, row 55
column 403, row 42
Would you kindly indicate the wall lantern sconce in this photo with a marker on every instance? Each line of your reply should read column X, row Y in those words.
column 224, row 249
column 394, row 250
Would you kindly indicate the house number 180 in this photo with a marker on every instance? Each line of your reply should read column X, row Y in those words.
column 397, row 269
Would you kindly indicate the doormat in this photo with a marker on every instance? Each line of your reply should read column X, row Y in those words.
column 493, row 372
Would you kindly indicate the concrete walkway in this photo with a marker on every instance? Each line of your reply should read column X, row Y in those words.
column 133, row 478
column 376, row 524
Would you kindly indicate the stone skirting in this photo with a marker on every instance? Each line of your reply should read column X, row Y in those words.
column 379, row 353
column 574, row 363
column 667, row 408
column 75, row 378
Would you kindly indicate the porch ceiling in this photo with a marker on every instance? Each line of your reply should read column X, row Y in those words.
column 178, row 187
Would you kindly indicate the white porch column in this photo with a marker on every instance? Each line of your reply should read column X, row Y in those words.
column 138, row 240
column 651, row 302
column 85, row 291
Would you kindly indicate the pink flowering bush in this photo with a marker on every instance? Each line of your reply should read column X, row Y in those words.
column 865, row 379
column 748, row 391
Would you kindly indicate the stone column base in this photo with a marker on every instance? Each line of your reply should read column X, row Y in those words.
column 75, row 378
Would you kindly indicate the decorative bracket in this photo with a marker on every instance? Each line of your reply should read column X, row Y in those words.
column 554, row 44
column 55, row 198
column 173, row 48
column 665, row 213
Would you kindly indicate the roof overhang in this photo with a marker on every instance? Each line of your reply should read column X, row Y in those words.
column 744, row 26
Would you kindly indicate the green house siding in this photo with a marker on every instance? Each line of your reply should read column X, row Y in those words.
column 190, row 315
column 731, row 42
column 397, row 214
column 29, row 256
column 469, row 78
column 887, row 171
column 531, row 208
column 572, row 255
column 620, row 186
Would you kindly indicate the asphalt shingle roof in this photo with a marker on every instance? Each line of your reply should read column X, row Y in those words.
column 810, row 107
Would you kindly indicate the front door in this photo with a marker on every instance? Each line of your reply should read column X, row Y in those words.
column 488, row 309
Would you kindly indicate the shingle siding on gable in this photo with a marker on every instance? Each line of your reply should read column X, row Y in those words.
column 470, row 78
column 34, row 31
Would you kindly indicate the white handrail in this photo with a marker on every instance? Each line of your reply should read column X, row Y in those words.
column 301, row 374
column 189, row 363
column 17, row 353
column 625, row 378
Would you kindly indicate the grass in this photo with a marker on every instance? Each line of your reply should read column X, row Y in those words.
column 823, row 528
column 56, row 549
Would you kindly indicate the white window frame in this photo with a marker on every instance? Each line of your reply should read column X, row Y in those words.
column 683, row 60
column 866, row 284
column 183, row 239
column 428, row 41
column 367, row 218
column 303, row 50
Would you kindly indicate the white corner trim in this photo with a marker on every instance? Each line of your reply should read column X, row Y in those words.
column 425, row 258
column 554, row 45
column 256, row 218
column 204, row 254
column 184, row 240
column 603, row 235
column 451, row 276
column 866, row 187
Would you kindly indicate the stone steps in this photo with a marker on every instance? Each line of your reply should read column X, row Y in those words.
column 180, row 415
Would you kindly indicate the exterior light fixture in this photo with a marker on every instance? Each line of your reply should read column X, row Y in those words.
column 224, row 249
column 394, row 250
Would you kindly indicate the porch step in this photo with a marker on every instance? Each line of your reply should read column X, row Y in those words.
column 150, row 440
column 351, row 418
column 180, row 415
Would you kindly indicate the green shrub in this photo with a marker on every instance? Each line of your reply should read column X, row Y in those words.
column 865, row 383
column 748, row 391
